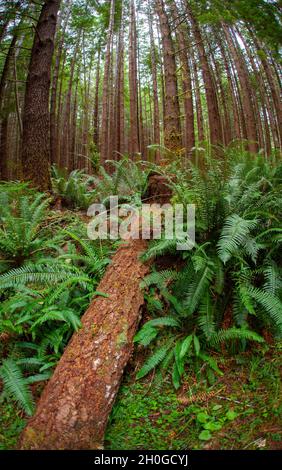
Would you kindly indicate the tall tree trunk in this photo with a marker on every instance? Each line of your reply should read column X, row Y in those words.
column 35, row 152
column 182, row 34
column 119, row 111
column 96, row 102
column 4, row 148
column 106, row 87
column 235, row 129
column 224, row 99
column 172, row 126
column 156, row 118
column 212, row 104
column 4, row 108
column 274, row 87
column 134, row 141
column 245, row 89
column 198, row 100
column 65, row 157
column 74, row 159
column 54, row 88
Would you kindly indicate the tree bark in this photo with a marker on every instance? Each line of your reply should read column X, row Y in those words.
column 35, row 154
column 181, row 34
column 245, row 89
column 65, row 157
column 106, row 87
column 156, row 118
column 212, row 104
column 74, row 408
column 54, row 89
column 172, row 126
column 134, row 141
column 96, row 102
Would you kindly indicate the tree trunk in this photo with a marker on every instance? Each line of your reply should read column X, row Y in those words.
column 35, row 152
column 106, row 88
column 156, row 118
column 212, row 104
column 54, row 89
column 181, row 34
column 235, row 129
column 134, row 142
column 65, row 157
column 73, row 410
column 4, row 148
column 74, row 159
column 198, row 100
column 172, row 126
column 274, row 87
column 96, row 102
column 245, row 88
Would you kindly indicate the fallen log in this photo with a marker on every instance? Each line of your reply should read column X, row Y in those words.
column 73, row 410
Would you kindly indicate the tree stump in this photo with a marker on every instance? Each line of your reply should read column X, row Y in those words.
column 73, row 410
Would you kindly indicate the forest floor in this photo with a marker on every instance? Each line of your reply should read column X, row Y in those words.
column 241, row 410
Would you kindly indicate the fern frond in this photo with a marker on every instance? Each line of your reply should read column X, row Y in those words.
column 15, row 385
column 232, row 334
column 234, row 234
column 271, row 304
column 153, row 361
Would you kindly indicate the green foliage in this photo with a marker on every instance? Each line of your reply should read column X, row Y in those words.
column 44, row 296
column 74, row 189
column 15, row 385
column 232, row 273
column 126, row 179
column 22, row 234
column 148, row 417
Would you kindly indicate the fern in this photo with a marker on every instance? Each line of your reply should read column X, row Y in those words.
column 198, row 288
column 234, row 234
column 153, row 361
column 16, row 386
column 41, row 274
column 271, row 304
column 160, row 278
column 232, row 334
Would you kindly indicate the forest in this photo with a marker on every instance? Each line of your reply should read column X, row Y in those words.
column 131, row 343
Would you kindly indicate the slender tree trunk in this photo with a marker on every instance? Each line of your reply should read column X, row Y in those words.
column 134, row 141
column 59, row 117
column 4, row 108
column 245, row 89
column 111, row 121
column 224, row 98
column 119, row 111
column 35, row 152
column 274, row 87
column 182, row 34
column 106, row 88
column 96, row 102
column 198, row 99
column 54, row 89
column 4, row 148
column 156, row 118
column 172, row 126
column 235, row 131
column 74, row 160
column 6, row 68
column 65, row 156
column 212, row 104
